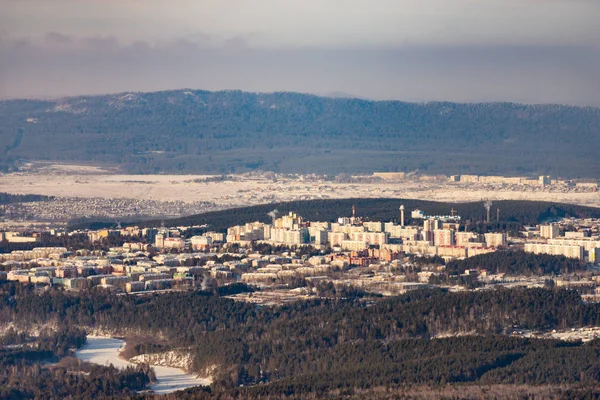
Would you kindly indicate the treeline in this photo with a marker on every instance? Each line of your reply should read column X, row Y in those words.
column 472, row 359
column 7, row 198
column 513, row 214
column 517, row 263
column 354, row 370
column 280, row 349
column 22, row 379
column 449, row 391
column 40, row 367
column 289, row 343
column 233, row 131
column 48, row 345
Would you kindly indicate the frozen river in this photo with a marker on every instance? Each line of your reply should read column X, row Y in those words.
column 105, row 351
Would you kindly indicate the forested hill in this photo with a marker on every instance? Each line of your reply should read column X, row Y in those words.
column 513, row 214
column 233, row 131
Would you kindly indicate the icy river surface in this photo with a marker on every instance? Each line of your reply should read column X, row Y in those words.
column 105, row 351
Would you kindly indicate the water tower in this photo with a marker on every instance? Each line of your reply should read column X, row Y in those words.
column 402, row 215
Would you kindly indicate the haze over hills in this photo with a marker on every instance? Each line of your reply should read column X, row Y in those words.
column 198, row 131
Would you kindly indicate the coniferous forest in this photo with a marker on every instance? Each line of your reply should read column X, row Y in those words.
column 348, row 345
column 42, row 367
column 515, row 214
column 517, row 263
column 232, row 131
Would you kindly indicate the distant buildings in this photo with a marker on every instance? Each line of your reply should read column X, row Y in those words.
column 438, row 235
column 541, row 181
column 350, row 251
column 16, row 237
column 505, row 180
column 390, row 176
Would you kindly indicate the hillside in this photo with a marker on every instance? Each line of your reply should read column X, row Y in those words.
column 309, row 349
column 513, row 213
column 233, row 131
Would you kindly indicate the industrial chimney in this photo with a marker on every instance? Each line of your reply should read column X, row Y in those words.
column 488, row 206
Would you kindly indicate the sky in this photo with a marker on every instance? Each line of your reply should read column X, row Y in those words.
column 532, row 51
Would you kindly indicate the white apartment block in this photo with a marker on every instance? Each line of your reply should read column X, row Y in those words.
column 588, row 244
column 443, row 237
column 549, row 231
column 464, row 238
column 289, row 237
column 495, row 239
column 557, row 250
column 373, row 226
column 370, row 238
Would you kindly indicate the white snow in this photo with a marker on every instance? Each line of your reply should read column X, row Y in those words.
column 105, row 351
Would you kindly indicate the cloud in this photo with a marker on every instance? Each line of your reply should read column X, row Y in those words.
column 68, row 65
column 315, row 23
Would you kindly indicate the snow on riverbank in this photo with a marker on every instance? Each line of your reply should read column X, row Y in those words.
column 173, row 358
column 575, row 334
column 105, row 351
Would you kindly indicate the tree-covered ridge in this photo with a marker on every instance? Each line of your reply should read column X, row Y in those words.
column 331, row 343
column 41, row 368
column 7, row 198
column 517, row 263
column 22, row 379
column 513, row 213
column 228, row 131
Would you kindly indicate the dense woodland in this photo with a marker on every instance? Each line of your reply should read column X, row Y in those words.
column 7, row 198
column 340, row 343
column 517, row 263
column 233, row 131
column 21, row 378
column 40, row 367
column 513, row 214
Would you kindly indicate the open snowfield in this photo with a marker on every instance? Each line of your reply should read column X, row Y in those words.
column 243, row 191
column 105, row 351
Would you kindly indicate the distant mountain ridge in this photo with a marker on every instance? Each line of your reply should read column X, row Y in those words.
column 233, row 131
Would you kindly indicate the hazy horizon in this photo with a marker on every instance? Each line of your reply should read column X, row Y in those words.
column 333, row 94
column 525, row 51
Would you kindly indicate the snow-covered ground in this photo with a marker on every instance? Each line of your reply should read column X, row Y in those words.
column 105, row 351
column 583, row 334
column 244, row 191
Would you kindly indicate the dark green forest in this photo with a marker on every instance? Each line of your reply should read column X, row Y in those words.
column 513, row 215
column 517, row 263
column 7, row 198
column 312, row 348
column 234, row 131
column 42, row 367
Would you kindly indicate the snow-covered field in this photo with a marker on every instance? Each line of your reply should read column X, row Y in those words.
column 105, row 351
column 243, row 192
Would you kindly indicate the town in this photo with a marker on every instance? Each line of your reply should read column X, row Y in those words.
column 289, row 258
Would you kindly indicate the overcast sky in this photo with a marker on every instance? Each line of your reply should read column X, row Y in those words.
column 536, row 51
